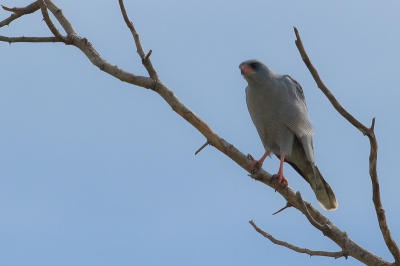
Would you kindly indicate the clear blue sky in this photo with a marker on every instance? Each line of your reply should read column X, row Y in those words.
column 94, row 171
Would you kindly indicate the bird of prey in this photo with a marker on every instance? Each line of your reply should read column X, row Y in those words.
column 278, row 109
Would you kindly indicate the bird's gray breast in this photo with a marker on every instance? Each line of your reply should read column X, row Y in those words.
column 273, row 109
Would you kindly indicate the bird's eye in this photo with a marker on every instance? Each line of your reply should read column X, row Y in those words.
column 254, row 65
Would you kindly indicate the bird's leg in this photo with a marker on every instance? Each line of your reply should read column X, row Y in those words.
column 279, row 175
column 256, row 164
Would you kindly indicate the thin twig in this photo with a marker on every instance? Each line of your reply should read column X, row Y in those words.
column 324, row 89
column 288, row 205
column 147, row 56
column 373, row 157
column 202, row 147
column 28, row 39
column 373, row 124
column 19, row 12
column 145, row 59
column 298, row 249
column 23, row 10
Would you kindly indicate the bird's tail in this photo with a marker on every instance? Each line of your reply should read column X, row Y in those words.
column 325, row 196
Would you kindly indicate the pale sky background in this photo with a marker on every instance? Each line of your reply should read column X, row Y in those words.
column 94, row 171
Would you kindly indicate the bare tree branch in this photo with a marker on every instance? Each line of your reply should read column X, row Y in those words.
column 28, row 39
column 52, row 27
column 145, row 58
column 19, row 12
column 57, row 12
column 380, row 212
column 323, row 228
column 23, row 10
column 152, row 82
column 335, row 255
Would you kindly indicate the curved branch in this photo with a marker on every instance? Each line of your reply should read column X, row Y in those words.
column 380, row 212
column 325, row 90
column 335, row 255
column 57, row 12
column 323, row 228
column 47, row 19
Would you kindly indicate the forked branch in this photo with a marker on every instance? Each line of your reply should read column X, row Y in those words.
column 373, row 157
column 145, row 58
column 47, row 19
column 19, row 12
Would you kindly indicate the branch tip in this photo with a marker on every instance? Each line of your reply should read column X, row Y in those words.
column 373, row 125
column 144, row 60
column 14, row 9
column 296, row 31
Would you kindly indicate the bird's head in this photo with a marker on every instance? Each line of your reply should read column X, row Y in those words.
column 254, row 71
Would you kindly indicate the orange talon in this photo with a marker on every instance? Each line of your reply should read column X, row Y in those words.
column 280, row 176
column 281, row 179
column 257, row 164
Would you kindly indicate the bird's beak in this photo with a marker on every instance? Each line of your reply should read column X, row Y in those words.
column 245, row 69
